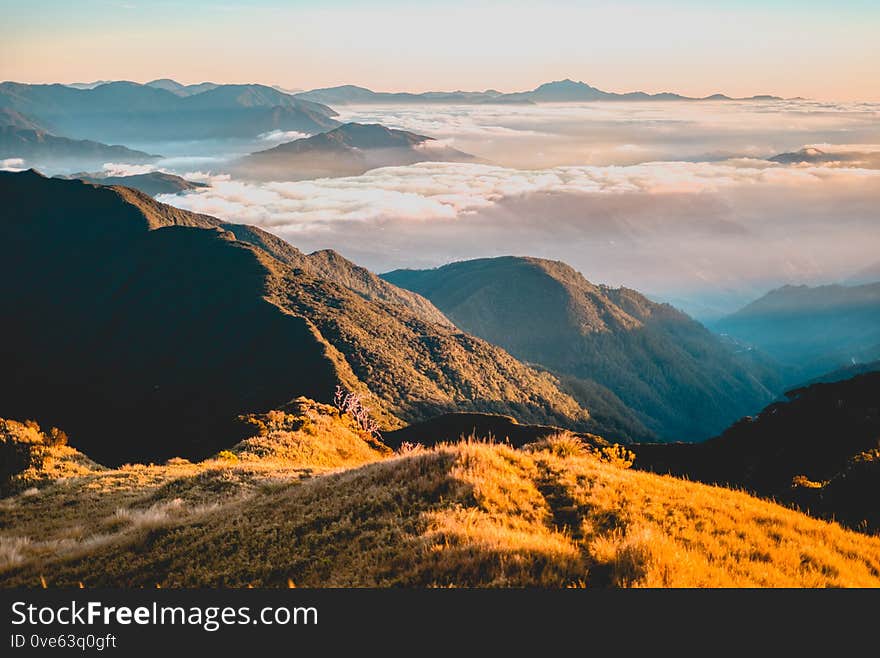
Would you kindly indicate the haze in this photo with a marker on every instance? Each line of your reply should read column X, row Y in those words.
column 808, row 48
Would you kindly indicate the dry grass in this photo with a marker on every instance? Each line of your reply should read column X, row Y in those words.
column 314, row 506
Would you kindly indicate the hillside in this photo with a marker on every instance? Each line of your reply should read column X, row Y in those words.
column 811, row 330
column 130, row 112
column 22, row 137
column 133, row 313
column 818, row 449
column 348, row 150
column 332, row 266
column 307, row 501
column 152, row 183
column 616, row 348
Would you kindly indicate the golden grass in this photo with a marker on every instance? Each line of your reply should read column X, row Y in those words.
column 557, row 514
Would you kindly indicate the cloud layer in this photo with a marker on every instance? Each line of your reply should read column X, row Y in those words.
column 706, row 234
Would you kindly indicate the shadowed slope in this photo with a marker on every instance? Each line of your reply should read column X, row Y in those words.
column 819, row 449
column 131, row 313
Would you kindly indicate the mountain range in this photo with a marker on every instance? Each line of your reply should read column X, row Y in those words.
column 560, row 91
column 131, row 314
column 133, row 113
column 23, row 138
column 349, row 150
column 613, row 348
column 810, row 330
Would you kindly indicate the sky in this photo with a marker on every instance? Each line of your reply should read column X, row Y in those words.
column 809, row 48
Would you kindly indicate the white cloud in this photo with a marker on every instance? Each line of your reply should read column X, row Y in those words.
column 12, row 164
column 279, row 136
column 429, row 191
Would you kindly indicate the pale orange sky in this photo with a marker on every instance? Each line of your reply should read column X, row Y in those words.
column 741, row 48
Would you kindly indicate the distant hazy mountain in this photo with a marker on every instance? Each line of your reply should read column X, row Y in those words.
column 807, row 154
column 560, row 91
column 182, row 90
column 812, row 155
column 130, row 112
column 132, row 314
column 349, row 150
column 152, row 183
column 351, row 94
column 681, row 381
column 811, row 330
column 818, row 449
column 21, row 137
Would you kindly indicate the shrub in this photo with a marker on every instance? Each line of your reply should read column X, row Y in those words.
column 227, row 455
column 351, row 404
column 56, row 437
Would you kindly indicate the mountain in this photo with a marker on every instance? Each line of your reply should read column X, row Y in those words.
column 349, row 150
column 819, row 449
column 811, row 330
column 353, row 95
column 333, row 267
column 808, row 155
column 133, row 315
column 563, row 91
column 179, row 89
column 560, row 91
column 130, row 112
column 22, row 137
column 677, row 378
column 307, row 500
column 152, row 183
column 813, row 156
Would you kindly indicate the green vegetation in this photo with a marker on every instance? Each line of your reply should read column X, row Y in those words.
column 645, row 370
column 129, row 308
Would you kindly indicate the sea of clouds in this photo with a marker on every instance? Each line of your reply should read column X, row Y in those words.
column 674, row 199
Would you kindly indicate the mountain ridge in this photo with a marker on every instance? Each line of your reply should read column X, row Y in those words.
column 127, row 111
column 348, row 150
column 678, row 378
column 170, row 319
column 566, row 90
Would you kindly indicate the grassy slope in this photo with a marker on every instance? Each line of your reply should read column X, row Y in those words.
column 308, row 501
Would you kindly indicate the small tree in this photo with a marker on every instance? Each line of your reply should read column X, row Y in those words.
column 350, row 403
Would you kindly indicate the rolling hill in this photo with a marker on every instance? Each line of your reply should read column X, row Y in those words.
column 811, row 330
column 348, row 150
column 131, row 313
column 130, row 112
column 679, row 380
column 308, row 501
